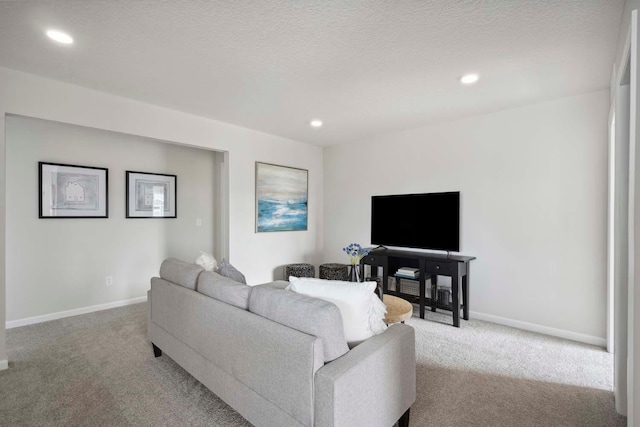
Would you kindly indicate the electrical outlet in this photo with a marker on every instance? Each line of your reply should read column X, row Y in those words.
column 108, row 280
column 198, row 222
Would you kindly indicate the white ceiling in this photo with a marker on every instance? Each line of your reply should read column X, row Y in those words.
column 365, row 67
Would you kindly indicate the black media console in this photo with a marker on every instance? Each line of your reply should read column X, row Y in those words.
column 430, row 266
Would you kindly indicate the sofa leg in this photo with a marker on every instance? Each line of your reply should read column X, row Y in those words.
column 156, row 351
column 404, row 419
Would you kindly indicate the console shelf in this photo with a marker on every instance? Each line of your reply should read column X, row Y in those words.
column 415, row 299
column 429, row 266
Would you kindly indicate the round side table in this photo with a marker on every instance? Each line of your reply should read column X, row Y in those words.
column 398, row 310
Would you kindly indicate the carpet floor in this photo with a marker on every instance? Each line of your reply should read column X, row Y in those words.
column 98, row 370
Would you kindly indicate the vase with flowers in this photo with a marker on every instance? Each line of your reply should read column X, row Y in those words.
column 356, row 253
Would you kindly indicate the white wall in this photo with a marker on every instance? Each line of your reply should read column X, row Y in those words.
column 533, row 184
column 257, row 255
column 56, row 265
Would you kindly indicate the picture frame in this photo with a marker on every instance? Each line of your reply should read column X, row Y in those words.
column 151, row 195
column 72, row 191
column 282, row 194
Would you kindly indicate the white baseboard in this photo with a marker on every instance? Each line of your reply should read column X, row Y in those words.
column 74, row 312
column 561, row 333
column 4, row 364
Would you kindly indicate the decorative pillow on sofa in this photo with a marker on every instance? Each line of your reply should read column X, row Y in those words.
column 207, row 261
column 228, row 270
column 312, row 316
column 362, row 311
column 224, row 289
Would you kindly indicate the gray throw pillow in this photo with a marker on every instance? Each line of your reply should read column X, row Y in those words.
column 228, row 270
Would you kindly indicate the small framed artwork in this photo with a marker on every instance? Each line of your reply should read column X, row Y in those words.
column 281, row 198
column 72, row 191
column 151, row 195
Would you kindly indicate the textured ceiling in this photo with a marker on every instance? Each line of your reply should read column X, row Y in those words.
column 363, row 67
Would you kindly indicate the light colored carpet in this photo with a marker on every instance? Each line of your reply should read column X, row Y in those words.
column 99, row 369
column 484, row 374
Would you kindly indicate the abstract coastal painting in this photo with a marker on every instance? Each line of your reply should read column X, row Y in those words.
column 72, row 191
column 281, row 198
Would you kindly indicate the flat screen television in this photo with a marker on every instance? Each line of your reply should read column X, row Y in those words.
column 424, row 221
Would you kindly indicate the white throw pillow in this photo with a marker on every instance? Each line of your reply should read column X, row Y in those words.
column 207, row 261
column 361, row 309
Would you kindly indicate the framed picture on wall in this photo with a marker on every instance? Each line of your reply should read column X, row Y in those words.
column 72, row 191
column 151, row 195
column 281, row 198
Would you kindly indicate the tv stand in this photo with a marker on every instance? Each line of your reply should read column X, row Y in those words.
column 431, row 266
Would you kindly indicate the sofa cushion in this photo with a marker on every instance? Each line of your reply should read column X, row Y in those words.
column 180, row 272
column 228, row 270
column 224, row 289
column 312, row 316
column 361, row 309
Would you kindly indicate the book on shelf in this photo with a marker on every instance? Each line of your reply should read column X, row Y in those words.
column 406, row 276
column 415, row 281
column 408, row 270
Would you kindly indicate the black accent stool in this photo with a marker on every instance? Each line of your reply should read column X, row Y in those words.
column 156, row 351
column 404, row 419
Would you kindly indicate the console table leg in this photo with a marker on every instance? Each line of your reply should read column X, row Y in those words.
column 422, row 295
column 455, row 294
column 465, row 295
column 434, row 292
column 385, row 280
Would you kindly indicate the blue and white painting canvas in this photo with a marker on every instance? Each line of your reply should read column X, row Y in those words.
column 281, row 198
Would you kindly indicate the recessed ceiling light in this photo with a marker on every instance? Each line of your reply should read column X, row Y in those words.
column 59, row 36
column 315, row 123
column 469, row 79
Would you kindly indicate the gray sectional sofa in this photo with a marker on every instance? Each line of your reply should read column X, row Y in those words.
column 276, row 357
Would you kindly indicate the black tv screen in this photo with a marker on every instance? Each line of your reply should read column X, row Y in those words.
column 425, row 221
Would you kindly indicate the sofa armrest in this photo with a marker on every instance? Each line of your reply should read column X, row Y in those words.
column 372, row 385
